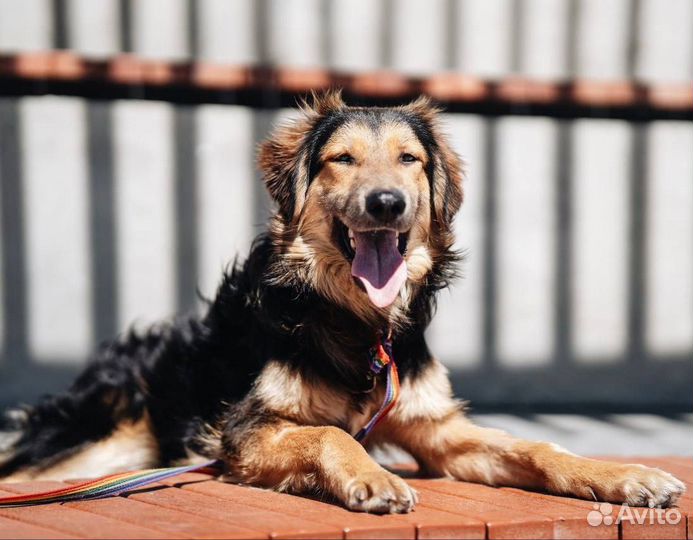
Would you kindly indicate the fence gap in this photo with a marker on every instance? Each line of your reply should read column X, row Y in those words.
column 489, row 330
column 185, row 207
column 102, row 220
column 60, row 24
column 564, row 263
column 125, row 21
column 637, row 263
column 13, row 244
column 193, row 29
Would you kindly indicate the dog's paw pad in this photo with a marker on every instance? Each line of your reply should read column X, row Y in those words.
column 380, row 492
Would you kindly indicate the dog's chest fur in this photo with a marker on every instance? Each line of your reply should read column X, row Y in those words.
column 287, row 393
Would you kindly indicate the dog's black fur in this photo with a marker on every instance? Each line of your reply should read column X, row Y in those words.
column 275, row 377
column 193, row 373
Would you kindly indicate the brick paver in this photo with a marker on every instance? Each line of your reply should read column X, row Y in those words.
column 195, row 506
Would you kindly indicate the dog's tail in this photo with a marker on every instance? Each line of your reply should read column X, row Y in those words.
column 13, row 424
column 35, row 438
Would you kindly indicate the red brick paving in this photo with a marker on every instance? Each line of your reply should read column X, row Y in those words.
column 195, row 506
column 11, row 529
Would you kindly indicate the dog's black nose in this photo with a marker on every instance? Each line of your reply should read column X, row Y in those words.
column 385, row 205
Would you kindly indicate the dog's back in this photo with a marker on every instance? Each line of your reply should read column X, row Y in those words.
column 145, row 399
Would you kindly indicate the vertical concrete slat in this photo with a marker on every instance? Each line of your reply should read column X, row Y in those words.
column 669, row 239
column 456, row 332
column 93, row 27
column 294, row 38
column 354, row 31
column 526, row 225
column 25, row 25
column 144, row 193
column 543, row 52
column 665, row 43
column 484, row 37
column 600, row 207
column 160, row 29
column 56, row 224
column 226, row 30
column 602, row 39
column 424, row 19
column 226, row 176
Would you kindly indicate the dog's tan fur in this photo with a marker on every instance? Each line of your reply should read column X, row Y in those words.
column 310, row 255
column 301, row 453
column 293, row 428
column 304, row 450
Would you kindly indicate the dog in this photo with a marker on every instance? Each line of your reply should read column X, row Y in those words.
column 274, row 379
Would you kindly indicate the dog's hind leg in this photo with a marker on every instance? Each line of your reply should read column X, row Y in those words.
column 288, row 457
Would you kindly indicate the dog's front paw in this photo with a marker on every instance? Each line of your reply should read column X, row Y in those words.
column 638, row 485
column 380, row 492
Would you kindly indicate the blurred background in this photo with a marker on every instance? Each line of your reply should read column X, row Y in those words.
column 127, row 181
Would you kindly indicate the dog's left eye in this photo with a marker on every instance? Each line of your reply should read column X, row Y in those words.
column 407, row 158
column 343, row 158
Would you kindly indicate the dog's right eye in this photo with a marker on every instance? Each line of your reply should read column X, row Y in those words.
column 344, row 158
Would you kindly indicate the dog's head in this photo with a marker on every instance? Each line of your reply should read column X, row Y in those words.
column 366, row 198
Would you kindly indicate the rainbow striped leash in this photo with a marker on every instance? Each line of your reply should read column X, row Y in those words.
column 108, row 486
column 382, row 358
column 116, row 484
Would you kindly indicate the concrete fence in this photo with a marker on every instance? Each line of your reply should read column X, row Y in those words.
column 578, row 287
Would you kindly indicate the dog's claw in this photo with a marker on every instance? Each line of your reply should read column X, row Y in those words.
column 638, row 485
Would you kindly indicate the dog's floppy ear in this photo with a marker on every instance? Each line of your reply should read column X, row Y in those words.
column 282, row 157
column 447, row 168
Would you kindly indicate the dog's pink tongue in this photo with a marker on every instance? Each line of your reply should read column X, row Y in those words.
column 379, row 265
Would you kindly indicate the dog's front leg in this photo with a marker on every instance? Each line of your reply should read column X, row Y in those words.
column 299, row 459
column 452, row 446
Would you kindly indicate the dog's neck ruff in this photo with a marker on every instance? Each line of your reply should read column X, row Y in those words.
column 381, row 358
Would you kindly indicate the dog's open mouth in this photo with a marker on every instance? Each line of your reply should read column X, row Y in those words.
column 376, row 260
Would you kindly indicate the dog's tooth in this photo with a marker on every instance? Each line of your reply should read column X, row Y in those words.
column 351, row 233
column 352, row 242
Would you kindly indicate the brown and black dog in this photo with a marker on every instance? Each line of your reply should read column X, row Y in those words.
column 274, row 379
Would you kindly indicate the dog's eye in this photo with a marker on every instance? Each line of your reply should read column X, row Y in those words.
column 344, row 158
column 407, row 158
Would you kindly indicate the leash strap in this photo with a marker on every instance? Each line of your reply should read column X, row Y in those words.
column 108, row 486
column 115, row 484
column 381, row 358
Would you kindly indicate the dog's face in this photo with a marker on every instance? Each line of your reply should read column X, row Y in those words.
column 366, row 198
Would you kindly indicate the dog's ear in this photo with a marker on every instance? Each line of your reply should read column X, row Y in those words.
column 447, row 169
column 279, row 157
column 448, row 173
column 282, row 156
